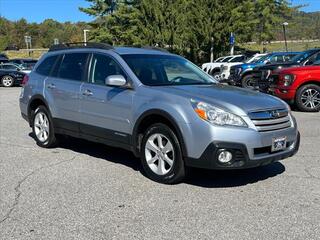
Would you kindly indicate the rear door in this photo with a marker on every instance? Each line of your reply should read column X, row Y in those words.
column 62, row 89
column 106, row 111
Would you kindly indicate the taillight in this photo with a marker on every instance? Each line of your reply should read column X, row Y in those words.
column 25, row 79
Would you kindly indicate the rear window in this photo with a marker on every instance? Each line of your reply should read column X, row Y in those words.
column 45, row 67
column 73, row 66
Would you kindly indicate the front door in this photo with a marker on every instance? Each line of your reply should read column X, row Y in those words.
column 106, row 111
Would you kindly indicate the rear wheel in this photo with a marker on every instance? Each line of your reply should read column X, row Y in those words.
column 42, row 127
column 7, row 81
column 161, row 155
column 308, row 98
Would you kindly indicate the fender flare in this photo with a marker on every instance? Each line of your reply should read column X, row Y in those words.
column 168, row 117
column 33, row 98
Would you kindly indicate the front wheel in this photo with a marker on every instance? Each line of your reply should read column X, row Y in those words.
column 161, row 155
column 308, row 98
column 7, row 81
column 42, row 127
column 248, row 81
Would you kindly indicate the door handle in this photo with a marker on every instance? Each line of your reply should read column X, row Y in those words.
column 87, row 92
column 51, row 86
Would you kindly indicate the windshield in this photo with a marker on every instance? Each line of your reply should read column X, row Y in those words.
column 226, row 59
column 317, row 62
column 264, row 58
column 300, row 57
column 161, row 70
column 254, row 59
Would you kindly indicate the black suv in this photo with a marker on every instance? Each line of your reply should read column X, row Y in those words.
column 261, row 74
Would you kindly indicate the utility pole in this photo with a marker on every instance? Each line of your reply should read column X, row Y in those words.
column 85, row 36
column 285, row 35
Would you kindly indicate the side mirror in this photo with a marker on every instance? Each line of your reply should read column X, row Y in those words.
column 115, row 81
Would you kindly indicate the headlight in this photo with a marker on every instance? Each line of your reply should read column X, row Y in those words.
column 288, row 79
column 216, row 115
column 224, row 68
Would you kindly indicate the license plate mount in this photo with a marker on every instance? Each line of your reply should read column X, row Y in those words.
column 278, row 144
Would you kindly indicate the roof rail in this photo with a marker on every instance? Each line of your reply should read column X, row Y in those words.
column 76, row 45
column 147, row 47
column 155, row 48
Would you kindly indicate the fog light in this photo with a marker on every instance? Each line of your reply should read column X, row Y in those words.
column 224, row 156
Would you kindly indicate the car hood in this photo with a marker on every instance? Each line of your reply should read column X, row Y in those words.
column 238, row 100
column 248, row 65
column 276, row 66
column 302, row 68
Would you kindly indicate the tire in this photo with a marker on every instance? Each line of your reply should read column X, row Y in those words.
column 42, row 128
column 308, row 98
column 163, row 162
column 7, row 81
column 248, row 82
column 216, row 75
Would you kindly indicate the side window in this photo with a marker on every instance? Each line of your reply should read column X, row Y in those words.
column 45, row 67
column 313, row 59
column 103, row 66
column 73, row 66
column 238, row 59
column 10, row 67
column 288, row 58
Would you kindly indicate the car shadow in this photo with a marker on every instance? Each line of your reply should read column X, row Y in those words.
column 233, row 178
column 197, row 177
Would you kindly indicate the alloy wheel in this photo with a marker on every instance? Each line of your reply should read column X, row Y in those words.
column 159, row 154
column 7, row 81
column 311, row 98
column 41, row 126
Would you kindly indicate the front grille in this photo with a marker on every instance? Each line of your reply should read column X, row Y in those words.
column 271, row 120
column 232, row 71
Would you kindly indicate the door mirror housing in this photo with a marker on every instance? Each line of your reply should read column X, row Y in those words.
column 116, row 81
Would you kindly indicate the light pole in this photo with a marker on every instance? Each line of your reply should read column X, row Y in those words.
column 211, row 50
column 284, row 34
column 85, row 36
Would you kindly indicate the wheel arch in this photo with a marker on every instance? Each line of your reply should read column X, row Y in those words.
column 246, row 73
column 151, row 117
column 315, row 82
column 34, row 102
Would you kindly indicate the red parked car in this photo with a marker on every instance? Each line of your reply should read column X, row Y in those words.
column 299, row 86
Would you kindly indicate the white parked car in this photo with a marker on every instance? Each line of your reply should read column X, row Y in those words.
column 214, row 68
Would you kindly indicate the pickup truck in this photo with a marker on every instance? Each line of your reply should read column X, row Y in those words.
column 241, row 75
column 226, row 67
column 260, row 75
column 299, row 86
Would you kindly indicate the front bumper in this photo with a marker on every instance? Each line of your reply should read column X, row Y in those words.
column 285, row 93
column 241, row 159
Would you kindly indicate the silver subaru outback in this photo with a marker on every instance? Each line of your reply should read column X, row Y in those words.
column 158, row 105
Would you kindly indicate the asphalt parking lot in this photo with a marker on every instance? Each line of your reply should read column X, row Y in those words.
column 83, row 190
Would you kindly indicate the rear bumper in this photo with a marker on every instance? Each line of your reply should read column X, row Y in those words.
column 241, row 160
